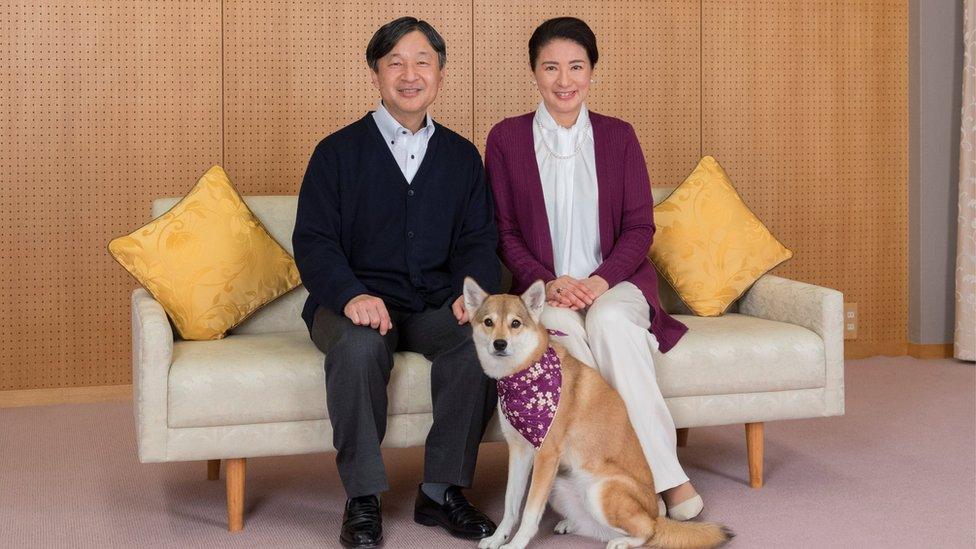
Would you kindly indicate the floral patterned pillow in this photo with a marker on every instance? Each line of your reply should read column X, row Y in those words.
column 709, row 245
column 208, row 261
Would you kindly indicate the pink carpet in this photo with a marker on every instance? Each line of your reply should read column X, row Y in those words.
column 899, row 470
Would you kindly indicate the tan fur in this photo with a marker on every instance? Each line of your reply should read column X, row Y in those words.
column 590, row 435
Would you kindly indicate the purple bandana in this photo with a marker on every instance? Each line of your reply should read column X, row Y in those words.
column 529, row 398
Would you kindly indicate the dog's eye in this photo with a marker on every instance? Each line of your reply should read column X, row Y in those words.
column 516, row 324
column 489, row 322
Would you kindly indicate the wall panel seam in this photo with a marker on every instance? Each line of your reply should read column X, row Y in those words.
column 472, row 75
column 222, row 102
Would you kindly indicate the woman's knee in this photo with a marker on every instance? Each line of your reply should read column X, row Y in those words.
column 564, row 320
column 607, row 318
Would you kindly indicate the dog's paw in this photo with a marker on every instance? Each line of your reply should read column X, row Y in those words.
column 493, row 542
column 565, row 526
column 625, row 543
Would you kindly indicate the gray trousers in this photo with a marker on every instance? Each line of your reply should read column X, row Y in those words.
column 358, row 361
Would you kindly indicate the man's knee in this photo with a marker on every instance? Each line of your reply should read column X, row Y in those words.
column 460, row 363
column 359, row 350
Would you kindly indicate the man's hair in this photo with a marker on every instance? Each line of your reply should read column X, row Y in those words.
column 389, row 34
column 564, row 28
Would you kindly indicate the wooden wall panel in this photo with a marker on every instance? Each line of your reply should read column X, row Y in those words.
column 107, row 104
column 295, row 72
column 805, row 105
column 104, row 105
column 647, row 73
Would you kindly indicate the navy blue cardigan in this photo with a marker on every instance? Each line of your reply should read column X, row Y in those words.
column 362, row 229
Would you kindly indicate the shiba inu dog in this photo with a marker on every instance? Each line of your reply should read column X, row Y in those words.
column 569, row 429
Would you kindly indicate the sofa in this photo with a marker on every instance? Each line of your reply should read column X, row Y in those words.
column 260, row 391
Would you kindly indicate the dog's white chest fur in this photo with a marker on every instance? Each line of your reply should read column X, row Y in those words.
column 575, row 492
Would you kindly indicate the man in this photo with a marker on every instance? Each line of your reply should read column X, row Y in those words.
column 393, row 213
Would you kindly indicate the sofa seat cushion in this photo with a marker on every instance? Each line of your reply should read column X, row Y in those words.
column 737, row 353
column 263, row 378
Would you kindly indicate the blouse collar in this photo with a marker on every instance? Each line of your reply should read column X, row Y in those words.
column 544, row 119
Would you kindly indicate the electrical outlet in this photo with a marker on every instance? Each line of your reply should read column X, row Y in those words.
column 850, row 321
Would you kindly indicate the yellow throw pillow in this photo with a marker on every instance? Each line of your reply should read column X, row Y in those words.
column 709, row 246
column 209, row 261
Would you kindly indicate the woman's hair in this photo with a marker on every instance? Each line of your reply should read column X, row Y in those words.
column 389, row 34
column 563, row 28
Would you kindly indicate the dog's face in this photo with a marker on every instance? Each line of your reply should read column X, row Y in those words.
column 506, row 328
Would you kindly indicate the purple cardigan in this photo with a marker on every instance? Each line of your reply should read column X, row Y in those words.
column 626, row 211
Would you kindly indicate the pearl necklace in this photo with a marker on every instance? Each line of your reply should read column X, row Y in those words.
column 579, row 142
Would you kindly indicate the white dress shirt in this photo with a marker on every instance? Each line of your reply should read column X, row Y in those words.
column 569, row 186
column 408, row 148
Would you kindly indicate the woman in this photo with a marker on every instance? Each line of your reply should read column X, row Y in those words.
column 573, row 206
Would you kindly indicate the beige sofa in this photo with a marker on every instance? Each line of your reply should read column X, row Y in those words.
column 261, row 390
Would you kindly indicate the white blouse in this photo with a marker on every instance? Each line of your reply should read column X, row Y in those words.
column 567, row 168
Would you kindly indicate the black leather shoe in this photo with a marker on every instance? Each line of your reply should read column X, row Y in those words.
column 456, row 515
column 362, row 524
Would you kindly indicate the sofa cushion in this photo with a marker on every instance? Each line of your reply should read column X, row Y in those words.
column 263, row 378
column 737, row 353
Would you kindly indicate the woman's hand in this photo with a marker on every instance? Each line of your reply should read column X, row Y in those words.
column 596, row 284
column 569, row 292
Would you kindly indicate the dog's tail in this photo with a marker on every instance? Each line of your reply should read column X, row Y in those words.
column 672, row 534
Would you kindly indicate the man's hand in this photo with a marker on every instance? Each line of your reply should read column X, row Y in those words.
column 569, row 292
column 368, row 310
column 460, row 313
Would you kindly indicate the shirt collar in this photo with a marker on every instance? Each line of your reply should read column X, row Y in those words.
column 549, row 123
column 393, row 130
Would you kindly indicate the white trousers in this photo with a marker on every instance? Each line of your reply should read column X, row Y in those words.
column 612, row 335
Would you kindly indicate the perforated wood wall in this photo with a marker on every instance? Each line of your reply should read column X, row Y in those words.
column 109, row 104
column 295, row 72
column 805, row 104
column 103, row 105
column 647, row 72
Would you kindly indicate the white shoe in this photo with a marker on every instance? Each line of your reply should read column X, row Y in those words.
column 662, row 509
column 687, row 509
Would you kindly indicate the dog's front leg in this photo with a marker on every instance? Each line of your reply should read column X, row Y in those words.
column 520, row 454
column 543, row 473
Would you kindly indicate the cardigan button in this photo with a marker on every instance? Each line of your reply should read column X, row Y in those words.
column 409, row 234
column 410, row 192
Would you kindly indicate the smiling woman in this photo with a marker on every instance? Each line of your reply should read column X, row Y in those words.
column 577, row 214
column 563, row 54
column 406, row 58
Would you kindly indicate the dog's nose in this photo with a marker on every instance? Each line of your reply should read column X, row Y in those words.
column 500, row 344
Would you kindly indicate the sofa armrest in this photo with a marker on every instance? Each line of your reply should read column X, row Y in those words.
column 152, row 354
column 816, row 308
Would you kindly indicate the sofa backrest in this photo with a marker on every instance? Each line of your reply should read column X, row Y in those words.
column 277, row 213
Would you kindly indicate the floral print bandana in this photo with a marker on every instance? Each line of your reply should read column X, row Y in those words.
column 529, row 398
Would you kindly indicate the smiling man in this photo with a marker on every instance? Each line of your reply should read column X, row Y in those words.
column 393, row 213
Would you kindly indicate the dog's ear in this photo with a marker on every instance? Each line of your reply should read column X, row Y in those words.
column 474, row 296
column 535, row 299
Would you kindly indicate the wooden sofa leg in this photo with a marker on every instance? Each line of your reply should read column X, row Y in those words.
column 682, row 438
column 235, row 494
column 213, row 469
column 754, row 447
